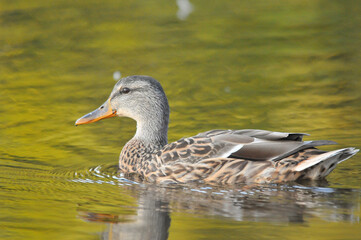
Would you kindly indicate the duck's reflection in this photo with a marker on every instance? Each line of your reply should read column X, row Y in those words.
column 296, row 204
column 152, row 221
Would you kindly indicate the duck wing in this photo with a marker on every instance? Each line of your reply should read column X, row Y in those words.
column 248, row 144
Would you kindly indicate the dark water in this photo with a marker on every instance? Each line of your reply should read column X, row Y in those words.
column 285, row 66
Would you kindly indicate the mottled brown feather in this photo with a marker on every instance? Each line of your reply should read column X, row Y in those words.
column 187, row 166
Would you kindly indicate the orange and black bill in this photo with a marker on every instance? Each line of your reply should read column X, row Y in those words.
column 104, row 111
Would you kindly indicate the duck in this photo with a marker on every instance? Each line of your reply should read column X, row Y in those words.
column 221, row 157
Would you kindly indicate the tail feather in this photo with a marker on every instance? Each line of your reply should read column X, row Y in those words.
column 322, row 165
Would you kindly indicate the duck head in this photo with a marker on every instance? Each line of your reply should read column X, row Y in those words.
column 138, row 97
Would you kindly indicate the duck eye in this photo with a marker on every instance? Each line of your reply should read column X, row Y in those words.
column 125, row 90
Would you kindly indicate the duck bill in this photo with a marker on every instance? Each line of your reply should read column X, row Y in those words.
column 104, row 111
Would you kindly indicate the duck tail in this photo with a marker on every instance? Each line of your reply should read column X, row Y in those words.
column 320, row 166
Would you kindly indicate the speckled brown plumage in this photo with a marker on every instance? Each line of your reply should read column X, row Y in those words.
column 208, row 157
column 213, row 157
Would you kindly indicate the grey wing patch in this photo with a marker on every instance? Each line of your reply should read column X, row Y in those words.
column 260, row 145
column 269, row 135
column 275, row 150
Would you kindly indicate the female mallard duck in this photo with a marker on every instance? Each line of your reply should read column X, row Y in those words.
column 217, row 156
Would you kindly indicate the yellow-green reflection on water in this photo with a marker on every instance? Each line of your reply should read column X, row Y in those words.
column 283, row 66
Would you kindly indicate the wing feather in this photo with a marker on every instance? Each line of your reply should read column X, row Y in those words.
column 250, row 144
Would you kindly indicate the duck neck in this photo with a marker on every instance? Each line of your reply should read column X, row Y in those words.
column 152, row 133
column 152, row 127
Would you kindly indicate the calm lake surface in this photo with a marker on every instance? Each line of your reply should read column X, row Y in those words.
column 289, row 66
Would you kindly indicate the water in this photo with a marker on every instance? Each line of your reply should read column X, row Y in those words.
column 283, row 66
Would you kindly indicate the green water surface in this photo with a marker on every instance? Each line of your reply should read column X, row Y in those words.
column 291, row 66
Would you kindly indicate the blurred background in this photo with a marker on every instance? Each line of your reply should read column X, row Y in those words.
column 289, row 66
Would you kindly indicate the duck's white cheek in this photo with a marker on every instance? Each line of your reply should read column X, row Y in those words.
column 125, row 113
